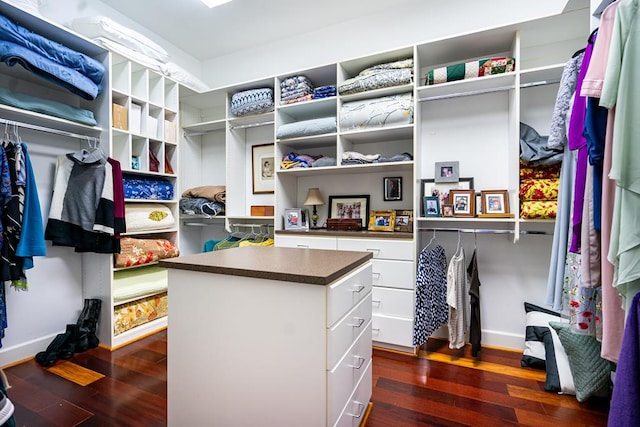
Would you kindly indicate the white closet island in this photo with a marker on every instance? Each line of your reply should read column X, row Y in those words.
column 269, row 336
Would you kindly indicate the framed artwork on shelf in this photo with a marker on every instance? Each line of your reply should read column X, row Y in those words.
column 263, row 167
column 382, row 220
column 404, row 221
column 495, row 203
column 431, row 206
column 350, row 207
column 447, row 210
column 463, row 202
column 447, row 171
column 428, row 187
column 392, row 187
column 296, row 219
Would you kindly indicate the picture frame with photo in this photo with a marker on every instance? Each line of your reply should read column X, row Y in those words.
column 447, row 171
column 263, row 168
column 431, row 206
column 495, row 203
column 392, row 188
column 296, row 219
column 404, row 220
column 464, row 203
column 447, row 210
column 382, row 220
column 350, row 207
column 428, row 187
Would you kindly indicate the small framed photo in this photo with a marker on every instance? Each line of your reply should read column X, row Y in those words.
column 351, row 207
column 464, row 203
column 495, row 203
column 447, row 172
column 263, row 168
column 447, row 210
column 382, row 220
column 428, row 187
column 296, row 219
column 431, row 206
column 404, row 220
column 392, row 187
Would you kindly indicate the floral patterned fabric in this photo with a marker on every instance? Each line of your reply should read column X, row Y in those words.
column 147, row 188
column 538, row 209
column 542, row 171
column 584, row 304
column 539, row 189
column 139, row 312
column 144, row 251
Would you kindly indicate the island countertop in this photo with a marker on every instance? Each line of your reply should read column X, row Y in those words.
column 313, row 266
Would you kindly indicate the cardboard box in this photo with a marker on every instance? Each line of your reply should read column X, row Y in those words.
column 135, row 118
column 261, row 210
column 169, row 131
column 119, row 113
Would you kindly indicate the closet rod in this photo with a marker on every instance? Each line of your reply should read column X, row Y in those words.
column 45, row 129
column 539, row 83
column 480, row 230
column 470, row 93
column 251, row 125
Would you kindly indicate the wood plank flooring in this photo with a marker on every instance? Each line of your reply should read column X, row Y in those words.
column 128, row 387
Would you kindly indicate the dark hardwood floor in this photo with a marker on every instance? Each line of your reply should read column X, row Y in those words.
column 128, row 387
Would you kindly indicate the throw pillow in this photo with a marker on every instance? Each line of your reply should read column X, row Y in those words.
column 591, row 373
column 544, row 350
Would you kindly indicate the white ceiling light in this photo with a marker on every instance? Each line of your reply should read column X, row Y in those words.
column 214, row 3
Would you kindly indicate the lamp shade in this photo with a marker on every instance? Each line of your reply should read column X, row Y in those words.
column 314, row 197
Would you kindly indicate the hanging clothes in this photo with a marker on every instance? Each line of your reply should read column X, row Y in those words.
column 475, row 328
column 458, row 300
column 432, row 310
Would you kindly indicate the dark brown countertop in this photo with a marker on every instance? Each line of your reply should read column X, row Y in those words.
column 314, row 266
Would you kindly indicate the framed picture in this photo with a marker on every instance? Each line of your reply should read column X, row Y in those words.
column 354, row 207
column 447, row 172
column 263, row 168
column 431, row 206
column 447, row 210
column 404, row 220
column 392, row 187
column 382, row 220
column 428, row 187
column 296, row 219
column 495, row 203
column 464, row 202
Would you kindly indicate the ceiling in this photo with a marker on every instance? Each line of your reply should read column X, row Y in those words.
column 207, row 33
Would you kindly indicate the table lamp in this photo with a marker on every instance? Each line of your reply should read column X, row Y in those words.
column 314, row 197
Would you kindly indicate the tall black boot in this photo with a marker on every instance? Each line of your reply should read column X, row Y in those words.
column 50, row 355
column 88, row 321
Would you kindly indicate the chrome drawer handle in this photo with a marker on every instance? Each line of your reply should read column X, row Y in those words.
column 358, row 288
column 374, row 274
column 361, row 360
column 302, row 246
column 362, row 406
column 360, row 322
column 373, row 250
column 375, row 301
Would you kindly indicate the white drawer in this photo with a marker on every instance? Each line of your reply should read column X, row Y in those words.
column 355, row 409
column 393, row 302
column 346, row 292
column 342, row 380
column 392, row 330
column 345, row 332
column 395, row 274
column 305, row 242
column 380, row 248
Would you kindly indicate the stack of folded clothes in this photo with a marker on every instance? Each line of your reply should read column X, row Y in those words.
column 379, row 76
column 296, row 89
column 324, row 92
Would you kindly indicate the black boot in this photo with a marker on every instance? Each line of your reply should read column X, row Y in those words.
column 88, row 321
column 50, row 355
column 77, row 342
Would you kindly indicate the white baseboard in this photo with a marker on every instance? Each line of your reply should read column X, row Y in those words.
column 25, row 351
column 491, row 338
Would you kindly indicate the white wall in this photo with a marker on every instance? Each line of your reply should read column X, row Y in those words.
column 415, row 22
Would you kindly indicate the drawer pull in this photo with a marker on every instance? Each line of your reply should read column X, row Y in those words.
column 375, row 301
column 374, row 274
column 361, row 360
column 373, row 250
column 375, row 330
column 302, row 246
column 358, row 288
column 362, row 408
column 360, row 321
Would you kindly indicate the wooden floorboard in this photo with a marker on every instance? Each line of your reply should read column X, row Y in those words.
column 441, row 387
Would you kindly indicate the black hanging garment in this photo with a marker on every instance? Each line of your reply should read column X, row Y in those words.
column 475, row 330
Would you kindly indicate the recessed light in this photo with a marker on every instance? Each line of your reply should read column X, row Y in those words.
column 214, row 3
